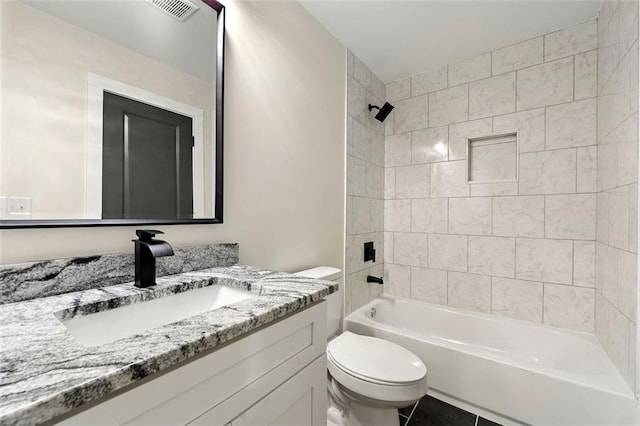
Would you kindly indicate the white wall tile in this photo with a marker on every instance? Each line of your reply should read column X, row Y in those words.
column 397, row 280
column 429, row 81
column 398, row 90
column 377, row 215
column 517, row 299
column 361, row 72
column 470, row 216
column 492, row 256
column 587, row 169
column 618, row 98
column 618, row 218
column 458, row 134
column 633, row 218
column 627, row 285
column 544, row 260
column 412, row 181
column 410, row 248
column 356, row 100
column 627, row 147
column 569, row 307
column 388, row 246
column 492, row 96
column 546, row 84
column 397, row 215
column 584, row 263
column 548, row 172
column 361, row 215
column 353, row 249
column 571, row 125
column 397, row 150
column 448, row 179
column 430, row 145
column 359, row 144
column 378, row 87
column 618, row 339
column 601, row 321
column 628, row 12
column 375, row 290
column 349, row 215
column 356, row 176
column 570, row 216
column 390, row 124
column 494, row 189
column 377, row 148
column 468, row 291
column 375, row 180
column 448, row 252
column 470, row 69
column 569, row 41
column 530, row 127
column 389, row 183
column 447, row 106
column 586, row 75
column 412, row 114
column 429, row 285
column 359, row 289
column 429, row 215
column 518, row 216
column 631, row 373
column 516, row 56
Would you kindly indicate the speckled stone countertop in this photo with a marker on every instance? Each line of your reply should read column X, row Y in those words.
column 45, row 372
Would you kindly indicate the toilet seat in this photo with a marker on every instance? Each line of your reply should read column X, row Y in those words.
column 371, row 369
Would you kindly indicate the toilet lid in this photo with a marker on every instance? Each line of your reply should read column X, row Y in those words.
column 374, row 359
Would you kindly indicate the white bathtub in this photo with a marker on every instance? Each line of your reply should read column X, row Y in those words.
column 509, row 371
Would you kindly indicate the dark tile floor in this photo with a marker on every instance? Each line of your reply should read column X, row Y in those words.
column 433, row 412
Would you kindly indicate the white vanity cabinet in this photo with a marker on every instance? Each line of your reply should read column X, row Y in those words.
column 275, row 375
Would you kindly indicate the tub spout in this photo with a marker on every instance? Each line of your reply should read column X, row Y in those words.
column 371, row 279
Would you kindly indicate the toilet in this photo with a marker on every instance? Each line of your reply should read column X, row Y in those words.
column 368, row 378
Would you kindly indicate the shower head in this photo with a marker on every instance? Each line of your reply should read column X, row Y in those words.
column 382, row 112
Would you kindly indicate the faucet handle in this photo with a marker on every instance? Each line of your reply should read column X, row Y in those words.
column 147, row 235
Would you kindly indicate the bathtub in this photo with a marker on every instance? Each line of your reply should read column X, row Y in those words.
column 509, row 371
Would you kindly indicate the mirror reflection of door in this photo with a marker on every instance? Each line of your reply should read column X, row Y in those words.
column 146, row 161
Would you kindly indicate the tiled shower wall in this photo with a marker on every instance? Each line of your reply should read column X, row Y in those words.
column 617, row 199
column 522, row 249
column 365, row 183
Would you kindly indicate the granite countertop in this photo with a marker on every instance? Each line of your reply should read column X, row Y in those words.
column 45, row 372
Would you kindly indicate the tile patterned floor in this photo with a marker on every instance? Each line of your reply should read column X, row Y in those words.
column 433, row 412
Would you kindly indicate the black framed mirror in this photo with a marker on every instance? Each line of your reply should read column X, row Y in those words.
column 111, row 112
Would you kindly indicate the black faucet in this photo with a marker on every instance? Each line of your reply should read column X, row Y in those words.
column 146, row 251
column 376, row 280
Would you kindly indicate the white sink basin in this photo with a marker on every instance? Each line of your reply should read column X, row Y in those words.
column 108, row 326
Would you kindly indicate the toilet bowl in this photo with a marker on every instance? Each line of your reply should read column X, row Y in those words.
column 368, row 378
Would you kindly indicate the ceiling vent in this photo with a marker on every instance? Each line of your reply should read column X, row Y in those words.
column 178, row 9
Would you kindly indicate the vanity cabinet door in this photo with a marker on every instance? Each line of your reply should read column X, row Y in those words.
column 301, row 400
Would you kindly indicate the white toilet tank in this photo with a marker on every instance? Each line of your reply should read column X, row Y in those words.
column 334, row 300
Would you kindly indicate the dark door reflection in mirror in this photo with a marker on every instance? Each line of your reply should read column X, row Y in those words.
column 146, row 161
column 61, row 61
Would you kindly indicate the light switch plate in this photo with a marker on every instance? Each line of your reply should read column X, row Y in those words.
column 19, row 207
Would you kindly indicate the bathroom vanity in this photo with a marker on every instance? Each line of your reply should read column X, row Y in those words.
column 256, row 359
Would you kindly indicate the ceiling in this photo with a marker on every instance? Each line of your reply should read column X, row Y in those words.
column 397, row 38
column 188, row 46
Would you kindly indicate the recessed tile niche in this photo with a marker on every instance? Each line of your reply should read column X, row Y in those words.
column 492, row 159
